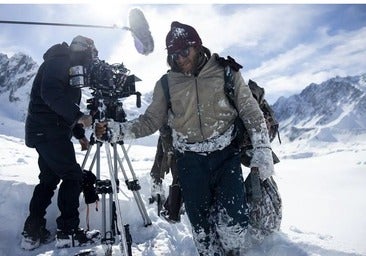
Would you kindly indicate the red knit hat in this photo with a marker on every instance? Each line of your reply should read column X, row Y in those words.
column 181, row 36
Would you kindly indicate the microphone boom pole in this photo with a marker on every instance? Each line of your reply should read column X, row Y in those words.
column 139, row 29
column 61, row 24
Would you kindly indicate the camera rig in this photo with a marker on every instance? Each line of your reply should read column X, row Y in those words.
column 109, row 83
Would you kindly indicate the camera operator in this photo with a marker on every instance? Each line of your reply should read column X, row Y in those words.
column 202, row 121
column 53, row 118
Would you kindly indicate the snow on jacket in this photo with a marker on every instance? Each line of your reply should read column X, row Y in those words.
column 53, row 108
column 200, row 109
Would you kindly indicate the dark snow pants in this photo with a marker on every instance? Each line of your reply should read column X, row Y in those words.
column 57, row 162
column 214, row 198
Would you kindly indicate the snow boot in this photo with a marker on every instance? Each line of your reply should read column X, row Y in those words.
column 29, row 242
column 35, row 234
column 76, row 238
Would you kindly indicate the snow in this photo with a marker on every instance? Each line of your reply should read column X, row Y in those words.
column 322, row 187
column 321, row 182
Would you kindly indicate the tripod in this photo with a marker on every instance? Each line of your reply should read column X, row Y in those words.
column 111, row 187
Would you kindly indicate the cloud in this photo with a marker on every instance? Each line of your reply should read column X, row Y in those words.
column 340, row 54
column 283, row 47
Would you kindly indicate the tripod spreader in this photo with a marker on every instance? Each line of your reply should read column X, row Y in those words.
column 133, row 185
column 105, row 186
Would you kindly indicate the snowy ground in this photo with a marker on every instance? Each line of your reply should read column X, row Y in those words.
column 322, row 188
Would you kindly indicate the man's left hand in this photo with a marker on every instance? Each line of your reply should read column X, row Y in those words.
column 86, row 121
column 262, row 159
column 84, row 142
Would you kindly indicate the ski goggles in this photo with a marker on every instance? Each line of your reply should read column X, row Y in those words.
column 184, row 53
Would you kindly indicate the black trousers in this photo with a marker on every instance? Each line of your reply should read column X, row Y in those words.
column 57, row 162
column 214, row 197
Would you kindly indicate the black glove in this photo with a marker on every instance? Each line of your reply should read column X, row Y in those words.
column 88, row 187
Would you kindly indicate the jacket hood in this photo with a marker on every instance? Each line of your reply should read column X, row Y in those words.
column 56, row 50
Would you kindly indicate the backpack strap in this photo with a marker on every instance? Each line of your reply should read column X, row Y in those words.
column 240, row 133
column 229, row 62
column 229, row 65
column 165, row 85
column 229, row 86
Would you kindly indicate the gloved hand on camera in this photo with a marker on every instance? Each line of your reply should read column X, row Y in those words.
column 110, row 131
column 263, row 160
column 100, row 130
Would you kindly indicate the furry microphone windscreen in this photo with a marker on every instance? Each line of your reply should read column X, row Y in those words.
column 139, row 27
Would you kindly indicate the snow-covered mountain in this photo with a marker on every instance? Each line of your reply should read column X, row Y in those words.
column 16, row 76
column 331, row 111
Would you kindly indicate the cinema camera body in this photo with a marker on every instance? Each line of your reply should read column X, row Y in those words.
column 108, row 84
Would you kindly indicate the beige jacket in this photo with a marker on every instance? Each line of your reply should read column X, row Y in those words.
column 200, row 108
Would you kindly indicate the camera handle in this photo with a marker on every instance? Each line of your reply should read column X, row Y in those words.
column 138, row 99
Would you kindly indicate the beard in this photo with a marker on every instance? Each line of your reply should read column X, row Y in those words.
column 193, row 62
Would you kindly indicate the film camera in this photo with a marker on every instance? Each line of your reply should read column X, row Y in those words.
column 108, row 84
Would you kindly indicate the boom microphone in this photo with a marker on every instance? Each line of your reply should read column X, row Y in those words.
column 139, row 27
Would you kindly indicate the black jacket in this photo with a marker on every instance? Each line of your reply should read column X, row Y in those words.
column 53, row 107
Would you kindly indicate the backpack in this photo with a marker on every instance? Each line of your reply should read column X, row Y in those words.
column 265, row 206
column 242, row 139
column 258, row 93
column 268, row 113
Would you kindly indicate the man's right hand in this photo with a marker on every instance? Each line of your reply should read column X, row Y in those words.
column 86, row 121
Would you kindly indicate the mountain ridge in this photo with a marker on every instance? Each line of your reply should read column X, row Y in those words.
column 325, row 111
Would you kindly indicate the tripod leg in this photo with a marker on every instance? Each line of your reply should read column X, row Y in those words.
column 134, row 187
column 97, row 159
column 96, row 155
column 86, row 157
column 123, row 238
column 103, row 190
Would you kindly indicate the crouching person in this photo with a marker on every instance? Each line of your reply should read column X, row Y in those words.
column 202, row 122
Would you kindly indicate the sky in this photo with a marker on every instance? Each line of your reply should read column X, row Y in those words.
column 283, row 47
